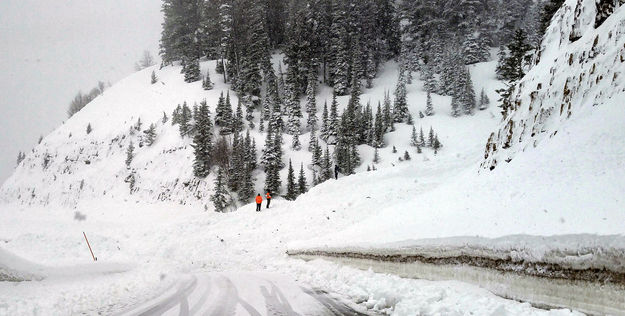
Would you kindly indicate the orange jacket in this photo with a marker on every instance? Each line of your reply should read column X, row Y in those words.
column 259, row 199
column 268, row 196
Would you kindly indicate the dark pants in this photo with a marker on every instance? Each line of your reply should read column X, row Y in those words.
column 336, row 175
column 268, row 201
column 257, row 207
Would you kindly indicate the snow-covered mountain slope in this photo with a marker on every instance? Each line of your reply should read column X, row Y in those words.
column 578, row 67
column 71, row 165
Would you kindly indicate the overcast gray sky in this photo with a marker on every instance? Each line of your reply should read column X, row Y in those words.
column 51, row 49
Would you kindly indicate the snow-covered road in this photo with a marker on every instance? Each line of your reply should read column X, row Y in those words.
column 252, row 294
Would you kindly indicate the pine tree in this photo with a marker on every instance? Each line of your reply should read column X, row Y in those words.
column 394, row 150
column 130, row 154
column 437, row 145
column 219, row 197
column 207, row 84
column 89, row 129
column 296, row 144
column 153, row 79
column 421, row 138
column 324, row 123
column 237, row 123
column 484, row 101
column 431, row 138
column 333, row 120
column 317, row 159
column 468, row 95
column 400, row 107
column 301, row 181
column 191, row 69
column 378, row 128
column 202, row 142
column 150, row 135
column 227, row 118
column 429, row 81
column 326, row 166
column 455, row 106
column 512, row 66
column 409, row 119
column 165, row 118
column 291, row 189
column 312, row 143
column 387, row 114
column 311, row 103
column 429, row 109
column 184, row 120
column 406, row 155
column 414, row 138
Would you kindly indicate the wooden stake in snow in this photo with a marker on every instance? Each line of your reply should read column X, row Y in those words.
column 87, row 240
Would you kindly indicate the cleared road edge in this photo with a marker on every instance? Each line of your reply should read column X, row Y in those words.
column 581, row 294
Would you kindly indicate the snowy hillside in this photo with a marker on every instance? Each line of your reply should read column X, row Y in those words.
column 71, row 165
column 548, row 194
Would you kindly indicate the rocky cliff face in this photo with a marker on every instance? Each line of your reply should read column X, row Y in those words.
column 580, row 65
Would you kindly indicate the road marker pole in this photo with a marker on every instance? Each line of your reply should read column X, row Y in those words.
column 87, row 240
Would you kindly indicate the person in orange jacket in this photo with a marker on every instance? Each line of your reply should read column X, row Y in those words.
column 259, row 201
column 268, row 195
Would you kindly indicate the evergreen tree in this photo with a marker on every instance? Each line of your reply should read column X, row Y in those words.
column 429, row 82
column 387, row 114
column 130, row 154
column 431, row 138
column 301, row 181
column 227, row 118
column 333, row 120
column 296, row 144
column 165, row 118
column 400, row 107
column 409, row 119
column 89, row 129
column 429, row 109
column 406, row 155
column 219, row 197
column 191, row 69
column 326, row 166
column 202, row 142
column 324, row 123
column 414, row 138
column 311, row 106
column 468, row 95
column 153, row 79
column 184, row 120
column 317, row 158
column 312, row 140
column 237, row 123
column 484, row 101
column 455, row 106
column 549, row 9
column 512, row 66
column 378, row 128
column 207, row 84
column 421, row 138
column 291, row 189
column 437, row 145
column 150, row 135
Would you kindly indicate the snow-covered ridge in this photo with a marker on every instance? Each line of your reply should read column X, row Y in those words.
column 578, row 67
